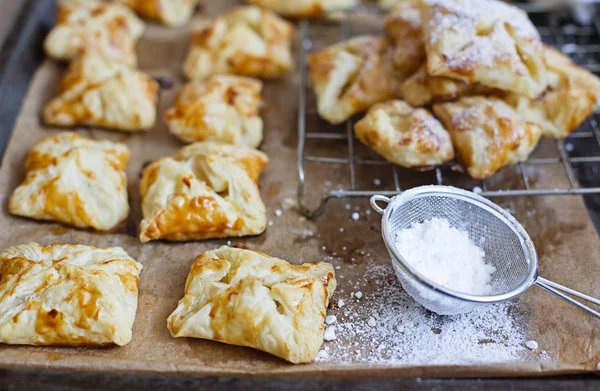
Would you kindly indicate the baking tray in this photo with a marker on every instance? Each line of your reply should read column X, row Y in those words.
column 562, row 230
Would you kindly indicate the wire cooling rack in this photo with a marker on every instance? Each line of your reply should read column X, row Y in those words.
column 577, row 155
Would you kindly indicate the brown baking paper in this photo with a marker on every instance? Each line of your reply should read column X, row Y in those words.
column 566, row 240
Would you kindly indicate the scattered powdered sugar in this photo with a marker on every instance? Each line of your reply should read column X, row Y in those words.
column 531, row 345
column 388, row 327
column 445, row 255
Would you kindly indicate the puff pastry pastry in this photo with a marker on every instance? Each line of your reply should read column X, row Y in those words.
column 207, row 190
column 422, row 89
column 247, row 41
column 168, row 12
column 68, row 295
column 220, row 108
column 247, row 298
column 487, row 134
column 351, row 76
column 74, row 180
column 304, row 8
column 404, row 27
column 404, row 135
column 485, row 41
column 572, row 96
column 97, row 91
column 89, row 25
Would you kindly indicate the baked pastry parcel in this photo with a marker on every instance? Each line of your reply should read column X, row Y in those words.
column 484, row 41
column 220, row 108
column 94, row 26
column 74, row 180
column 168, row 12
column 404, row 135
column 206, row 190
column 422, row 89
column 351, row 76
column 404, row 27
column 67, row 295
column 487, row 134
column 97, row 91
column 572, row 96
column 247, row 41
column 304, row 8
column 247, row 298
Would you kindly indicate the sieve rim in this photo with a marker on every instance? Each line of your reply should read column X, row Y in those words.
column 479, row 201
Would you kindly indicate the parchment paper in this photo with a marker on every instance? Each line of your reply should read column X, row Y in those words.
column 566, row 240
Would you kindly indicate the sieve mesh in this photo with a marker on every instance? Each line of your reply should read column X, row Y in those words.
column 491, row 228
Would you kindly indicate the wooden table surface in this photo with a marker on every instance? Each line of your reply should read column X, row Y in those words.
column 15, row 380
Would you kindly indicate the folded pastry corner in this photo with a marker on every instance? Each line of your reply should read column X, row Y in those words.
column 404, row 27
column 206, row 190
column 168, row 12
column 94, row 26
column 221, row 108
column 247, row 41
column 484, row 41
column 351, row 76
column 98, row 91
column 74, row 180
column 404, row 135
column 304, row 8
column 487, row 134
column 573, row 95
column 247, row 298
column 67, row 295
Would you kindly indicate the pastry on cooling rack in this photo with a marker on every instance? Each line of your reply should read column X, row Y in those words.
column 487, row 134
column 304, row 8
column 404, row 28
column 351, row 76
column 67, row 295
column 97, row 91
column 74, row 180
column 404, row 135
column 422, row 89
column 247, row 298
column 572, row 96
column 89, row 25
column 220, row 108
column 247, row 41
column 485, row 41
column 168, row 12
column 206, row 190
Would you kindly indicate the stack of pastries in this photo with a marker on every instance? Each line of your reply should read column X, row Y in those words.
column 453, row 79
column 78, row 295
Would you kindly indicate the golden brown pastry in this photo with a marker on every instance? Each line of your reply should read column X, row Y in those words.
column 304, row 8
column 168, row 12
column 75, row 181
column 246, row 41
column 487, row 134
column 247, row 298
column 220, row 108
column 404, row 135
column 207, row 190
column 423, row 89
column 572, row 96
column 351, row 76
column 97, row 91
column 67, row 295
column 94, row 26
column 485, row 41
column 404, row 27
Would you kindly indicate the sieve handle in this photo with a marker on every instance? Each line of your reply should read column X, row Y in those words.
column 557, row 289
column 377, row 198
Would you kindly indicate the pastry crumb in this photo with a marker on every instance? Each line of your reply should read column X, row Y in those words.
column 330, row 334
column 531, row 345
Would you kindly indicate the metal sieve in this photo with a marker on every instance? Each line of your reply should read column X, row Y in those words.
column 506, row 244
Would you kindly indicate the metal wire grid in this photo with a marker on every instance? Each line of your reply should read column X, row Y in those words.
column 580, row 43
